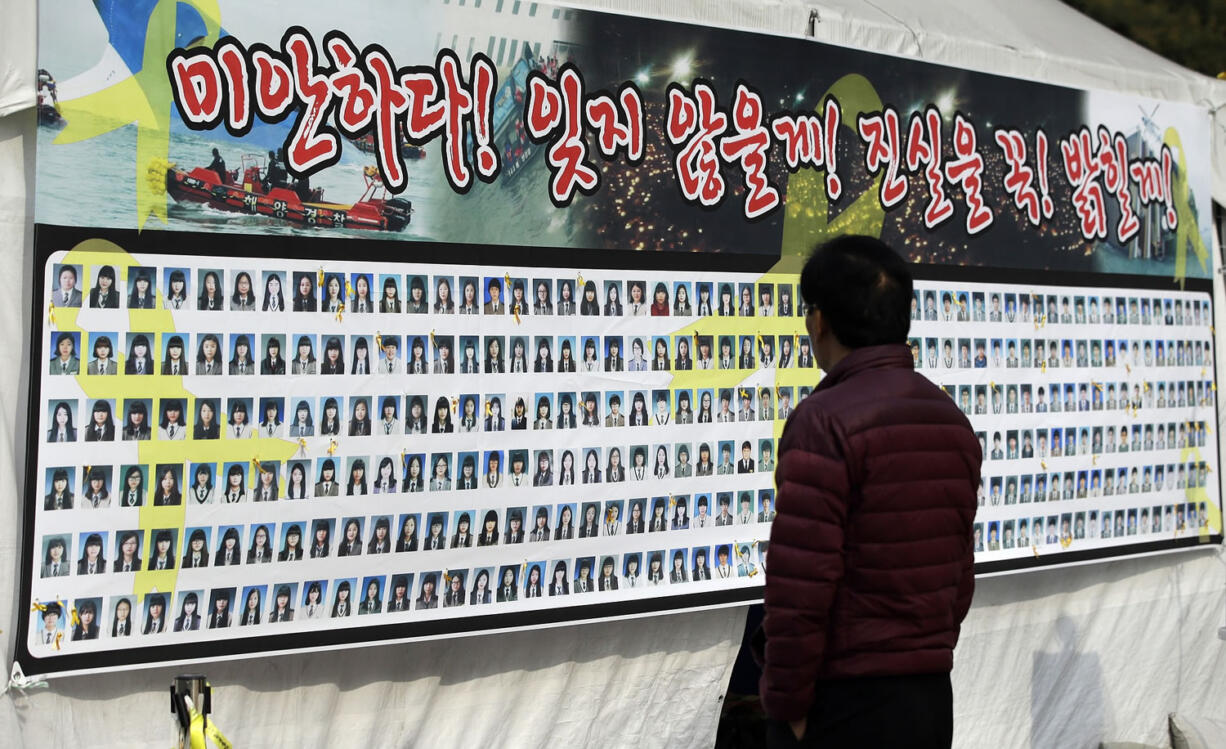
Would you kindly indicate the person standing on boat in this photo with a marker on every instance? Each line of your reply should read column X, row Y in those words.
column 218, row 165
column 274, row 175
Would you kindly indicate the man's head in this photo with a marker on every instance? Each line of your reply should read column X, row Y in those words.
column 858, row 293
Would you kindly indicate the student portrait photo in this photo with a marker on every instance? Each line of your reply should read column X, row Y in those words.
column 399, row 597
column 59, row 483
column 416, row 303
column 281, row 608
column 342, row 603
column 102, row 354
column 219, row 614
column 514, row 531
column 127, row 551
column 251, row 613
column 63, row 422
column 428, row 594
column 50, row 624
column 91, row 561
column 162, row 549
column 65, row 359
column 507, row 584
column 66, row 280
column 243, row 297
column 142, row 288
column 196, row 550
column 95, row 488
column 361, row 299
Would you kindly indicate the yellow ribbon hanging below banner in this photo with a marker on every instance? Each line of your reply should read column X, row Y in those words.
column 203, row 735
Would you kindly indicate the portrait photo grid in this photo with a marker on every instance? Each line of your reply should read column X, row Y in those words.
column 286, row 446
column 281, row 446
column 1094, row 408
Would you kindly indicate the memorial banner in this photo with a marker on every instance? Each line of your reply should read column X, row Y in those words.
column 434, row 320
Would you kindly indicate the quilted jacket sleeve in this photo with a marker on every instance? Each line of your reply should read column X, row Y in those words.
column 966, row 586
column 806, row 565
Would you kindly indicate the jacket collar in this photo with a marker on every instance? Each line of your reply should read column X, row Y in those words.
column 888, row 356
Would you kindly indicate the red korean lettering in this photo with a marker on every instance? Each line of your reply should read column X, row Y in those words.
column 696, row 164
column 883, row 147
column 1082, row 169
column 357, row 97
column 425, row 111
column 810, row 141
column 274, row 84
column 1153, row 178
column 312, row 144
column 233, row 61
column 391, row 103
column 459, row 103
column 554, row 111
column 1019, row 179
column 484, row 79
column 196, row 82
column 618, row 124
column 967, row 171
column 1113, row 159
column 749, row 146
column 924, row 149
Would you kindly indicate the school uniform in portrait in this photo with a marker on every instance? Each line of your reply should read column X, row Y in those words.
column 71, row 298
column 71, row 366
column 55, row 569
column 101, row 367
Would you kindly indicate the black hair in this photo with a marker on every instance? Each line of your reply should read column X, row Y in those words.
column 862, row 288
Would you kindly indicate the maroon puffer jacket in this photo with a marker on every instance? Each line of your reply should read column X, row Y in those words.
column 871, row 559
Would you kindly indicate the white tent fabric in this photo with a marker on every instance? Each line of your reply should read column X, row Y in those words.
column 17, row 63
column 1056, row 658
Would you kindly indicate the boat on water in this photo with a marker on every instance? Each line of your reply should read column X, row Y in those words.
column 252, row 191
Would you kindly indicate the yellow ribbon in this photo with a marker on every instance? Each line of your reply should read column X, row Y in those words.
column 201, row 734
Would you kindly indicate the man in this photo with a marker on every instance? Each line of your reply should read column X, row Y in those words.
column 725, row 415
column 494, row 306
column 746, row 514
column 725, row 461
column 767, row 515
column 615, row 418
column 746, row 463
column 51, row 623
column 702, row 518
column 68, row 295
column 746, row 413
column 390, row 363
column 724, row 517
column 846, row 675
